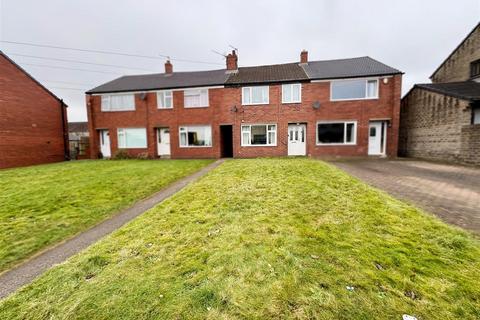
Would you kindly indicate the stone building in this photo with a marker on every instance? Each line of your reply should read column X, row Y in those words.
column 441, row 120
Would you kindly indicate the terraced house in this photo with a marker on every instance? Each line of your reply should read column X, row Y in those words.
column 346, row 107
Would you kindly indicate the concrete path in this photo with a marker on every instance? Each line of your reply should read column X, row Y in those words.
column 452, row 192
column 30, row 269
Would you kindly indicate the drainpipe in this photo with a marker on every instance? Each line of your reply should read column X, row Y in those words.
column 66, row 149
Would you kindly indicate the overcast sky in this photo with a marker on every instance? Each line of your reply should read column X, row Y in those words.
column 413, row 36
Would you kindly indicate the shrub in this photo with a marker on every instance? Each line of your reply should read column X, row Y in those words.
column 143, row 156
column 121, row 154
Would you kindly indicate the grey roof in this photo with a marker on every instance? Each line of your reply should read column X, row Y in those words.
column 78, row 127
column 163, row 81
column 469, row 90
column 347, row 68
column 271, row 73
column 327, row 69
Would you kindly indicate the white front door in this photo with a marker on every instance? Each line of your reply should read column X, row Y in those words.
column 163, row 141
column 377, row 133
column 297, row 145
column 105, row 143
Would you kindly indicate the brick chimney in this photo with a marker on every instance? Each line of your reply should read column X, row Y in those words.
column 304, row 56
column 168, row 67
column 232, row 61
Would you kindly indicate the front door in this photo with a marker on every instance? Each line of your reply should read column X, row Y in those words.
column 377, row 138
column 105, row 143
column 163, row 141
column 297, row 145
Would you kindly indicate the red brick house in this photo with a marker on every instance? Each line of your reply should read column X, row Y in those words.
column 347, row 107
column 33, row 121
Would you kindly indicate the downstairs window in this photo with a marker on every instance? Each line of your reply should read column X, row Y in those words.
column 336, row 132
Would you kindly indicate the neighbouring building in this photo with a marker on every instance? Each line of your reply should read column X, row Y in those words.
column 33, row 121
column 345, row 107
column 78, row 137
column 441, row 120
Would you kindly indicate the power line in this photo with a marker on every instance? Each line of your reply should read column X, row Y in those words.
column 65, row 88
column 76, row 61
column 66, row 82
column 57, row 67
column 107, row 52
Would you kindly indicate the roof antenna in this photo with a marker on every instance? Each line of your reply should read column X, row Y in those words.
column 221, row 54
column 234, row 48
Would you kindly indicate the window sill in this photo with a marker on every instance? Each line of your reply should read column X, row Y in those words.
column 259, row 145
column 165, row 108
column 335, row 144
column 255, row 104
column 187, row 147
column 353, row 99
column 129, row 110
column 132, row 148
column 200, row 107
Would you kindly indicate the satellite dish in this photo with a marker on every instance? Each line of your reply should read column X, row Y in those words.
column 316, row 105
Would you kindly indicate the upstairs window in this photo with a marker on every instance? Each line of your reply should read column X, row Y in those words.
column 475, row 69
column 292, row 93
column 255, row 95
column 132, row 138
column 354, row 89
column 195, row 136
column 118, row 102
column 195, row 98
column 336, row 132
column 165, row 99
column 259, row 135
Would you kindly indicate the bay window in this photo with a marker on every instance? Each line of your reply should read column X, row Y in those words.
column 259, row 135
column 354, row 89
column 165, row 99
column 255, row 95
column 195, row 98
column 195, row 136
column 118, row 102
column 336, row 132
column 132, row 138
column 292, row 93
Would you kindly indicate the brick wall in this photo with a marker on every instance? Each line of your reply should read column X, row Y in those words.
column 31, row 128
column 222, row 101
column 457, row 66
column 433, row 126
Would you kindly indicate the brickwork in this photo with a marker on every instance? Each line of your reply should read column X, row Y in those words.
column 223, row 102
column 457, row 66
column 470, row 147
column 33, row 123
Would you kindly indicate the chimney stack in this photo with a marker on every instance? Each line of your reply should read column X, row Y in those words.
column 232, row 61
column 304, row 57
column 168, row 67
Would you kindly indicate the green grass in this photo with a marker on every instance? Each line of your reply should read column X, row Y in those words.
column 267, row 239
column 42, row 205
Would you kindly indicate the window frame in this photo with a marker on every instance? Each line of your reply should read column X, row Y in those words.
column 109, row 95
column 475, row 115
column 194, row 125
column 125, row 138
column 475, row 65
column 299, row 93
column 163, row 93
column 251, row 95
column 242, row 143
column 196, row 89
column 377, row 79
column 345, row 122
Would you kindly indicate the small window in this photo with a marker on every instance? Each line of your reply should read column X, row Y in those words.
column 373, row 131
column 292, row 93
column 118, row 102
column 195, row 98
column 255, row 95
column 259, row 135
column 354, row 89
column 132, row 138
column 475, row 69
column 336, row 133
column 476, row 116
column 195, row 136
column 165, row 99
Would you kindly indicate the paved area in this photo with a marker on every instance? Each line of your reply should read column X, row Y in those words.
column 451, row 192
column 29, row 270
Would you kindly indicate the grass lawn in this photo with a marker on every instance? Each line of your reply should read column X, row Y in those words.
column 42, row 205
column 267, row 239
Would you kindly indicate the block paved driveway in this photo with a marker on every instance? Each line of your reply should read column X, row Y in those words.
column 451, row 192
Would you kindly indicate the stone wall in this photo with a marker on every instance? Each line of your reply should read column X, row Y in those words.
column 457, row 66
column 470, row 151
column 431, row 126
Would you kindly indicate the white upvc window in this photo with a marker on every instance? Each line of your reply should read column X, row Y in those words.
column 336, row 132
column 195, row 98
column 195, row 136
column 165, row 99
column 292, row 93
column 118, row 102
column 353, row 89
column 259, row 135
column 129, row 138
column 255, row 95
